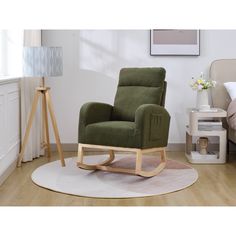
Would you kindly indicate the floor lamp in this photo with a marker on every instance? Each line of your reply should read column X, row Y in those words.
column 42, row 62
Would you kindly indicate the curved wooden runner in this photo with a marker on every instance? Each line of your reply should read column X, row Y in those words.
column 138, row 165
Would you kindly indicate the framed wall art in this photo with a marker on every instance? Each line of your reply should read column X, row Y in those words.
column 175, row 42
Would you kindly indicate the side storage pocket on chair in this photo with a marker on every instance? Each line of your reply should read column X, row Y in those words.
column 155, row 126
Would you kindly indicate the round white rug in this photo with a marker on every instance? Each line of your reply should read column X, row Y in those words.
column 100, row 184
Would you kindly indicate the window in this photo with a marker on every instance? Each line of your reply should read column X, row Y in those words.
column 11, row 45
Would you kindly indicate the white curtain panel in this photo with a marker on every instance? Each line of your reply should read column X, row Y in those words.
column 28, row 85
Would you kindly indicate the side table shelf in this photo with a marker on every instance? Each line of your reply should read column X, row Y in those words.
column 195, row 130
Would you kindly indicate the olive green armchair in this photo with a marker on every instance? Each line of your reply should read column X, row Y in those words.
column 138, row 121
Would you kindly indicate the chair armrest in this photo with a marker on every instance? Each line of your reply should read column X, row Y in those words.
column 152, row 122
column 93, row 112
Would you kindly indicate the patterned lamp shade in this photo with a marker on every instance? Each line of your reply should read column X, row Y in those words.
column 42, row 61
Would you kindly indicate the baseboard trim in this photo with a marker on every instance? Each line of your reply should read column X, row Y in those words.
column 8, row 172
column 73, row 147
column 175, row 147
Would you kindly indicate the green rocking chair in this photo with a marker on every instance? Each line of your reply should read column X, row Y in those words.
column 138, row 121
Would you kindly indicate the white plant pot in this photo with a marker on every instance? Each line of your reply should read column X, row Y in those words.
column 202, row 100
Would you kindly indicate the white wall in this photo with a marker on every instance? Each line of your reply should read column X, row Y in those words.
column 93, row 58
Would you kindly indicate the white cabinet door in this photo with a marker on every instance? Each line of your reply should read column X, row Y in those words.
column 13, row 117
column 9, row 127
column 2, row 123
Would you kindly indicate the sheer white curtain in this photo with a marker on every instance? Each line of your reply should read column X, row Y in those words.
column 28, row 85
column 11, row 42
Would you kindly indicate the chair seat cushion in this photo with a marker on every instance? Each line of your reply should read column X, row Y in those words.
column 113, row 133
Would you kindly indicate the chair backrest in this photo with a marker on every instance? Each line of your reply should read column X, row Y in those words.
column 138, row 86
column 222, row 71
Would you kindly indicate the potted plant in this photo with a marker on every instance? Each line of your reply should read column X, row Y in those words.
column 202, row 85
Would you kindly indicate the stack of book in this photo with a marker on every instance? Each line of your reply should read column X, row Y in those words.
column 209, row 156
column 208, row 125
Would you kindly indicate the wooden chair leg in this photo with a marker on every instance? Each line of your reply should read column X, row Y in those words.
column 80, row 154
column 112, row 157
column 138, row 166
column 111, row 153
column 163, row 155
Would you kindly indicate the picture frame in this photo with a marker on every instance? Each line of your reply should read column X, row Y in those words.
column 174, row 42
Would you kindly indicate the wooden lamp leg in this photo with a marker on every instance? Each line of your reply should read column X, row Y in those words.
column 45, row 122
column 46, row 101
column 29, row 125
column 43, row 144
column 54, row 124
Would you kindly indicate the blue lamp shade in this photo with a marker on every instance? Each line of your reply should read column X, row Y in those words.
column 42, row 61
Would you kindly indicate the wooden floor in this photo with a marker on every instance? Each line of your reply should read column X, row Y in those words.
column 216, row 186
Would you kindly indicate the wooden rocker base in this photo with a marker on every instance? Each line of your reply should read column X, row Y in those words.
column 105, row 164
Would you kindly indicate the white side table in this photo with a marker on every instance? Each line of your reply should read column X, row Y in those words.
column 195, row 129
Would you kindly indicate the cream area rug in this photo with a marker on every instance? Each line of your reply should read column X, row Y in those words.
column 100, row 184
